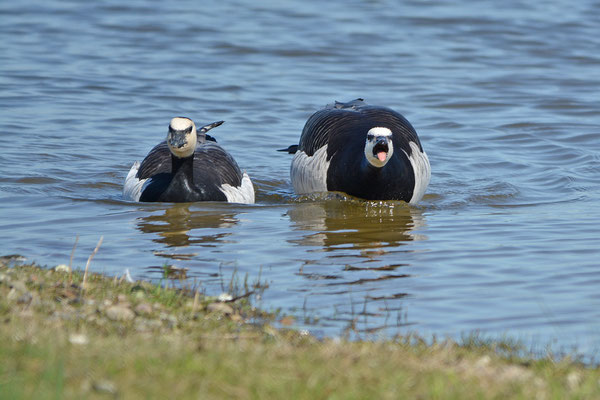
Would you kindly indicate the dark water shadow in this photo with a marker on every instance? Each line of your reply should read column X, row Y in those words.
column 356, row 224
column 181, row 231
column 180, row 225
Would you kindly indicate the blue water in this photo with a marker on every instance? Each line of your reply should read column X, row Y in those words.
column 504, row 97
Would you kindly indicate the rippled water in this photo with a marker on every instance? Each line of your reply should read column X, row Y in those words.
column 504, row 96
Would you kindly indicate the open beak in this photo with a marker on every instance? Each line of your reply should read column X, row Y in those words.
column 381, row 148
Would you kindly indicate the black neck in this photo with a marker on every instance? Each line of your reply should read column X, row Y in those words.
column 183, row 167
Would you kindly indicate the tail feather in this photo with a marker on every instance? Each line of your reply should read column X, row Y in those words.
column 208, row 127
column 291, row 149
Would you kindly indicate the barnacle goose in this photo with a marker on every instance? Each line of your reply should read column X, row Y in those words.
column 188, row 166
column 366, row 151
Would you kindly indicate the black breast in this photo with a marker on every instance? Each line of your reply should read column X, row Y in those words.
column 211, row 167
column 211, row 162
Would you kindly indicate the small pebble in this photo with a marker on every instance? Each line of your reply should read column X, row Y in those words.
column 25, row 298
column 171, row 320
column 105, row 387
column 145, row 325
column 483, row 362
column 220, row 308
column 516, row 373
column 143, row 309
column 79, row 338
column 19, row 286
column 119, row 313
column 574, row 380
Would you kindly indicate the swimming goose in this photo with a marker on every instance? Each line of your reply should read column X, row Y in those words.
column 366, row 151
column 188, row 166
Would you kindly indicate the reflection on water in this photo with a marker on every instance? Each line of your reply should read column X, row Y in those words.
column 360, row 248
column 372, row 228
column 183, row 229
column 179, row 226
column 357, row 224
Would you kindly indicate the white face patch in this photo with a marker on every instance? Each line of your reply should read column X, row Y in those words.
column 185, row 151
column 380, row 131
column 191, row 138
column 181, row 123
column 375, row 138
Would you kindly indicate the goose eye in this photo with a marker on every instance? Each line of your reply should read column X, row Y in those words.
column 370, row 136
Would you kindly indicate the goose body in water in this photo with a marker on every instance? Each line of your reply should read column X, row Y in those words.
column 188, row 166
column 365, row 151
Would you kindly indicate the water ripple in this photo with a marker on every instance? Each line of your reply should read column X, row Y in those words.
column 504, row 97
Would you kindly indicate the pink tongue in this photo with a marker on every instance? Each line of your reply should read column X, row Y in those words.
column 382, row 155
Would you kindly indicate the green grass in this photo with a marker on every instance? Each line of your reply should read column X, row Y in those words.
column 181, row 350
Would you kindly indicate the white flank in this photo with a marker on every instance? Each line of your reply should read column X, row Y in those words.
column 420, row 164
column 242, row 194
column 132, row 190
column 309, row 173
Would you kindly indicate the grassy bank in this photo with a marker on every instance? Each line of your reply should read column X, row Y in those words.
column 61, row 337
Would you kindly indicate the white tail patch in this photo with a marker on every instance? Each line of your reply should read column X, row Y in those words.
column 309, row 173
column 422, row 168
column 242, row 194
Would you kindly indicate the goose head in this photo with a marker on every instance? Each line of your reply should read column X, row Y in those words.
column 182, row 137
column 379, row 147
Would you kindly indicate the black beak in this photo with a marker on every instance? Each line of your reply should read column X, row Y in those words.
column 381, row 144
column 177, row 139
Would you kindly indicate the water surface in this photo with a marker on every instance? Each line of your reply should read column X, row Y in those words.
column 503, row 96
